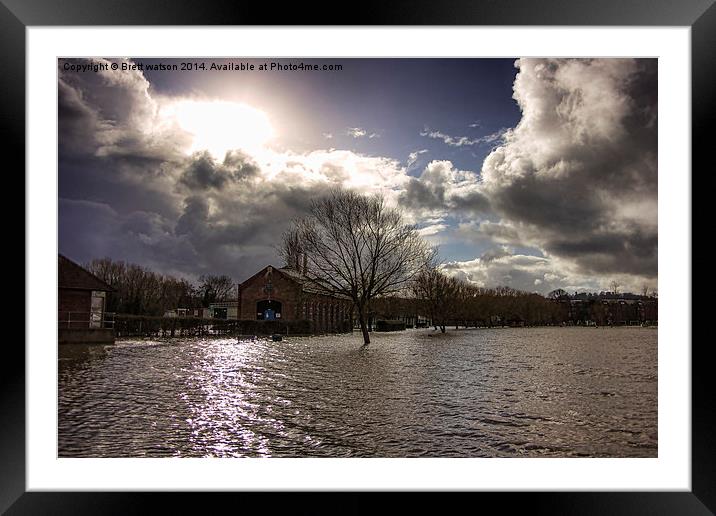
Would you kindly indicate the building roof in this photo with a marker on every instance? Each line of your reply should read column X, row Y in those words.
column 306, row 284
column 293, row 274
column 262, row 271
column 71, row 275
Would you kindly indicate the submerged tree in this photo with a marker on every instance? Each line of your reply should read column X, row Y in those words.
column 438, row 293
column 355, row 246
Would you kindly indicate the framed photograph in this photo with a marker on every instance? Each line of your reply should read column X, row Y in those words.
column 432, row 250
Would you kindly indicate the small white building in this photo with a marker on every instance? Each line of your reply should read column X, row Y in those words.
column 224, row 310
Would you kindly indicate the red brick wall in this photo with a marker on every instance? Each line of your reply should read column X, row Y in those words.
column 326, row 314
column 285, row 291
column 70, row 300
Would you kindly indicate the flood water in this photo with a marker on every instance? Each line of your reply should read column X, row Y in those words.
column 522, row 392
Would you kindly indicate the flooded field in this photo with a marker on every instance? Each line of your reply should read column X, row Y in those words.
column 561, row 392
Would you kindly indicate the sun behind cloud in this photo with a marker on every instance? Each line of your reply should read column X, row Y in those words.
column 219, row 126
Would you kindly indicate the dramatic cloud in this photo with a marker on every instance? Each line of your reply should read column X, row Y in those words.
column 441, row 188
column 159, row 201
column 140, row 237
column 577, row 177
column 114, row 115
column 203, row 172
column 567, row 199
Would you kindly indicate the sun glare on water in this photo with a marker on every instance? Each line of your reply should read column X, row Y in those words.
column 220, row 126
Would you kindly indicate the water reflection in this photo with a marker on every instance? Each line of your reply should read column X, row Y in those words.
column 221, row 395
column 508, row 392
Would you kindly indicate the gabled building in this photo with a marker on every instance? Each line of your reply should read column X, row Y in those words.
column 81, row 301
column 287, row 295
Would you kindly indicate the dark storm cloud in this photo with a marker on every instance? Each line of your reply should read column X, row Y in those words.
column 297, row 198
column 631, row 252
column 575, row 181
column 242, row 223
column 578, row 175
column 74, row 120
column 419, row 194
column 203, row 172
column 113, row 114
column 152, row 204
column 109, row 149
column 195, row 216
column 474, row 202
column 203, row 239
column 90, row 230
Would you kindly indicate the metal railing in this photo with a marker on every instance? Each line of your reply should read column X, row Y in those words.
column 74, row 319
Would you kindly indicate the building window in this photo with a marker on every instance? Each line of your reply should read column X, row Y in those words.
column 96, row 309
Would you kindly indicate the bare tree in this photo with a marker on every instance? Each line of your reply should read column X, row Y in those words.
column 291, row 249
column 356, row 247
column 140, row 291
column 215, row 288
column 615, row 286
column 438, row 294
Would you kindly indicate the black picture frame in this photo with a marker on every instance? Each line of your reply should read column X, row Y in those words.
column 17, row 15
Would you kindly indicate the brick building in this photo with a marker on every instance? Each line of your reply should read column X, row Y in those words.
column 608, row 309
column 285, row 294
column 81, row 304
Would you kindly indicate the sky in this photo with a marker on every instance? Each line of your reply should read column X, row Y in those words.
column 531, row 173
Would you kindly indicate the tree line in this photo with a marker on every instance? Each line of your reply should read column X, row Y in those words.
column 458, row 302
column 449, row 301
column 141, row 291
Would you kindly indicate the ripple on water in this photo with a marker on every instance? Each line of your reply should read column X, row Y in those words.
column 469, row 393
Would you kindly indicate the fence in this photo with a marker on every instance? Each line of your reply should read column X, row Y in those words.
column 148, row 326
column 80, row 320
